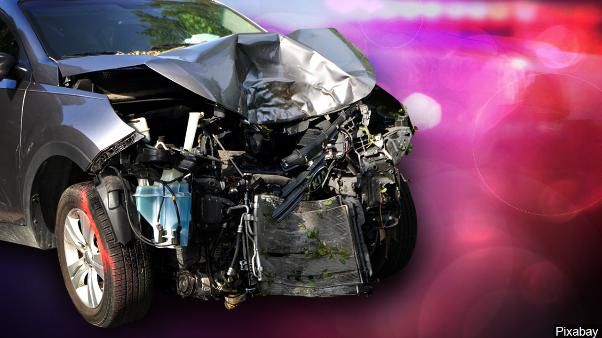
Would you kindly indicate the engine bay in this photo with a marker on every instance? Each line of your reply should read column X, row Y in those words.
column 237, row 209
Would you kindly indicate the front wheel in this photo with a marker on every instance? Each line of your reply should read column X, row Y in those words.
column 392, row 247
column 401, row 240
column 109, row 283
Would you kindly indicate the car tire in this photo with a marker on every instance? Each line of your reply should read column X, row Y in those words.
column 401, row 240
column 109, row 283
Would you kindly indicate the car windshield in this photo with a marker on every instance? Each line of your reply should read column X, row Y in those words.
column 72, row 29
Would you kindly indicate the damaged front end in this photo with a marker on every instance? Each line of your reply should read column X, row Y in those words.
column 264, row 166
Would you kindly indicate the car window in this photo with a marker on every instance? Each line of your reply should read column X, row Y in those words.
column 8, row 42
column 70, row 28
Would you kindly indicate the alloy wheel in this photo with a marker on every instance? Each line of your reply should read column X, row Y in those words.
column 83, row 258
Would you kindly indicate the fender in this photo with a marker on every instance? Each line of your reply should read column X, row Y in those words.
column 43, row 237
column 77, row 125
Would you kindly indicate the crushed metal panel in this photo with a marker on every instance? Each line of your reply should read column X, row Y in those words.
column 333, row 46
column 311, row 253
column 287, row 81
column 266, row 77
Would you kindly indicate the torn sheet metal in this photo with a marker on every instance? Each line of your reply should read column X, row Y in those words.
column 311, row 253
column 266, row 77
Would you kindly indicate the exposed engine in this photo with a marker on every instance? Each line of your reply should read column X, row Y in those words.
column 296, row 208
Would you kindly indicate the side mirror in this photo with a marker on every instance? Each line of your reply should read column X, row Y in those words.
column 7, row 63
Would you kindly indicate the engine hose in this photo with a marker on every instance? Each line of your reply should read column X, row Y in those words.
column 230, row 272
column 305, row 154
column 175, row 203
column 272, row 179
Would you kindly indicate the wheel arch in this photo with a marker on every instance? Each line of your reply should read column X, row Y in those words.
column 67, row 135
column 55, row 167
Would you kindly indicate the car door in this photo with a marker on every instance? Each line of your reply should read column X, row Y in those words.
column 12, row 93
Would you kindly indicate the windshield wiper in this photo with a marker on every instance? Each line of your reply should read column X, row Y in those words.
column 169, row 46
column 75, row 55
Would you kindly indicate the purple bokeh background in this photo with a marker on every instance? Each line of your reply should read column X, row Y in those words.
column 506, row 173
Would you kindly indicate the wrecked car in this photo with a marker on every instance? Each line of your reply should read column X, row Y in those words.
column 179, row 144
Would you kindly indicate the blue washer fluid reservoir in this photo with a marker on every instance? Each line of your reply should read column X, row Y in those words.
column 156, row 205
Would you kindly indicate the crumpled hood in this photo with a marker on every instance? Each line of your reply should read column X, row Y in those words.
column 266, row 77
